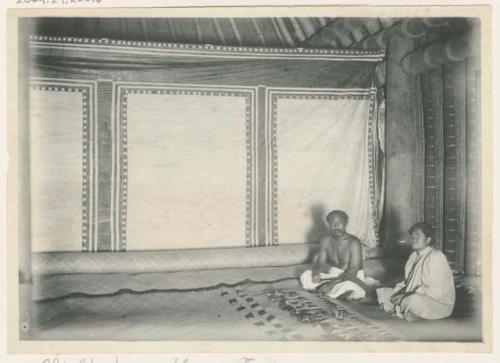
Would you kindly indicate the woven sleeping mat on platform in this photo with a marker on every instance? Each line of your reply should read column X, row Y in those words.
column 247, row 311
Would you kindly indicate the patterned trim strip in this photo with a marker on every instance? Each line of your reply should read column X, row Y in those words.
column 372, row 155
column 144, row 47
column 272, row 208
column 123, row 172
column 275, row 94
column 104, row 109
column 89, row 151
column 120, row 168
column 261, row 165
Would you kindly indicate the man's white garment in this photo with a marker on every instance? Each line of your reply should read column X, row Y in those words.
column 429, row 283
column 357, row 292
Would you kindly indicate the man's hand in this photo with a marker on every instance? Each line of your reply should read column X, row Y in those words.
column 327, row 287
column 316, row 278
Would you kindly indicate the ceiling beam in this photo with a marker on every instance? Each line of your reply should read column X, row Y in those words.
column 287, row 37
column 345, row 32
column 410, row 28
column 435, row 55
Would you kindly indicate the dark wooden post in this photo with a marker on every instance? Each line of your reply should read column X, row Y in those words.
column 401, row 144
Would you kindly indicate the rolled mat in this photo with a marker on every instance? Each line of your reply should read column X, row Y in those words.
column 49, row 263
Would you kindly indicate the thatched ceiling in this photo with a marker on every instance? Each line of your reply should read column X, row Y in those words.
column 365, row 33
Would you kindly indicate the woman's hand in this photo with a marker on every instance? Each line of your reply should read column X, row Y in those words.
column 397, row 297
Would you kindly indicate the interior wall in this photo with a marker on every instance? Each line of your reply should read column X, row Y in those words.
column 433, row 143
column 453, row 162
column 199, row 153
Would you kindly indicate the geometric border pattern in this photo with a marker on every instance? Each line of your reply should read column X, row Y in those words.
column 206, row 50
column 87, row 89
column 120, row 167
column 373, row 157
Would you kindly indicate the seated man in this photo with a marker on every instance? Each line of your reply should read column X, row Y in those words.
column 428, row 290
column 338, row 266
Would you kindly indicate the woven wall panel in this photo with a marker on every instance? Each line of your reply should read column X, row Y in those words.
column 473, row 220
column 432, row 95
column 451, row 161
column 454, row 116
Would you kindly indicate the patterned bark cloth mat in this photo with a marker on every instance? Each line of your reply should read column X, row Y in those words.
column 335, row 317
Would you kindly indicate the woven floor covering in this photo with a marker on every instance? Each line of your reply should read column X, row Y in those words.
column 247, row 311
column 253, row 308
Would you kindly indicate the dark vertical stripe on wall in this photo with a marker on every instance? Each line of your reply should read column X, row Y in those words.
column 432, row 101
column 418, row 170
column 454, row 101
column 104, row 104
column 262, row 165
column 473, row 213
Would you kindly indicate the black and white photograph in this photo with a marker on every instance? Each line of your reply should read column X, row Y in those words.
column 276, row 178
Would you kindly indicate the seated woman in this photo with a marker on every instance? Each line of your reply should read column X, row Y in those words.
column 338, row 266
column 428, row 290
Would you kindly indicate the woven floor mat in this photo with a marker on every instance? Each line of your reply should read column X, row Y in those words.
column 241, row 312
column 266, row 311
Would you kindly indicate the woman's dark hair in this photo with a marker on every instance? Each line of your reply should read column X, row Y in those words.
column 426, row 229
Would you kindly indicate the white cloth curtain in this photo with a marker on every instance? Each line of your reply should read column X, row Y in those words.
column 186, row 173
column 56, row 138
column 323, row 152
